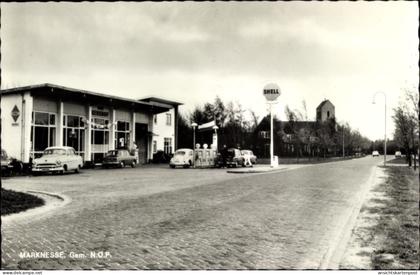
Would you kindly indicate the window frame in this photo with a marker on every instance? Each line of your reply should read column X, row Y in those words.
column 168, row 119
column 52, row 127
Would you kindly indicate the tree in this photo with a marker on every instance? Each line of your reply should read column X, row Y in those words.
column 406, row 118
column 185, row 132
column 326, row 131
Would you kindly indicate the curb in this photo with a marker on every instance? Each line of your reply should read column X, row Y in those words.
column 332, row 258
column 255, row 171
column 52, row 202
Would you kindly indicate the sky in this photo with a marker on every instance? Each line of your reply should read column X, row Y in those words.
column 192, row 52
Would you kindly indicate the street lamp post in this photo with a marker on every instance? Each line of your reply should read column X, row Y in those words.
column 271, row 92
column 344, row 155
column 215, row 138
column 385, row 122
column 194, row 125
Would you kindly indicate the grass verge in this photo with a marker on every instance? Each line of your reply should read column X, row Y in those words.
column 396, row 234
column 14, row 202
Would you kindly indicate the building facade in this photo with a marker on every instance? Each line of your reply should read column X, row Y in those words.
column 325, row 111
column 165, row 127
column 39, row 116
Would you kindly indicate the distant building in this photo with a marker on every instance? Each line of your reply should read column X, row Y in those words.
column 286, row 134
column 325, row 110
column 38, row 116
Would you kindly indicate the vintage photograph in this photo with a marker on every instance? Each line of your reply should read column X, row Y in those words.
column 210, row 136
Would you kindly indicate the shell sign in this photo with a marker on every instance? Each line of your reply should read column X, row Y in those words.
column 271, row 91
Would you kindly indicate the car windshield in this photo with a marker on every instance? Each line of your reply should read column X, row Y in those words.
column 55, row 152
column 112, row 154
column 3, row 155
column 179, row 153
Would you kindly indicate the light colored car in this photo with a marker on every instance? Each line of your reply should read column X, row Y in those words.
column 182, row 157
column 57, row 159
column 398, row 154
column 375, row 154
column 250, row 154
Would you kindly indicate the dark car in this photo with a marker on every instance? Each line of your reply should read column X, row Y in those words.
column 119, row 158
column 9, row 165
column 161, row 157
column 233, row 158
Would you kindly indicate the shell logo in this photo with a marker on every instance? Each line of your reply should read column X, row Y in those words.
column 271, row 91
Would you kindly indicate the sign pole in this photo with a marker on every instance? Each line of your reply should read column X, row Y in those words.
column 271, row 93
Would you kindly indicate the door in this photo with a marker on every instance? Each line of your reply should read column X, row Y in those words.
column 141, row 142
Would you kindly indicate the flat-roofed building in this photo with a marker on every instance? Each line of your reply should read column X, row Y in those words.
column 38, row 116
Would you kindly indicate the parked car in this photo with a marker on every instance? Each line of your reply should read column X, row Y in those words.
column 10, row 165
column 57, row 159
column 251, row 155
column 182, row 157
column 397, row 154
column 161, row 157
column 234, row 158
column 119, row 158
column 375, row 154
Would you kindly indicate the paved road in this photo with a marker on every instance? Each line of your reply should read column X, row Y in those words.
column 159, row 218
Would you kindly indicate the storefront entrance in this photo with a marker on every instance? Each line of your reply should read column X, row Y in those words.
column 99, row 138
column 141, row 141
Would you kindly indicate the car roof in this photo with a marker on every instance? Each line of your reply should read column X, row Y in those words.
column 184, row 149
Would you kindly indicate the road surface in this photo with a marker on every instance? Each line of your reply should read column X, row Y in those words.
column 161, row 218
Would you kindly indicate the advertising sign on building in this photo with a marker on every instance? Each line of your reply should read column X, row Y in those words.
column 15, row 115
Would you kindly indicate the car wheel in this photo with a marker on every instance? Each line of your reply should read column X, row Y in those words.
column 133, row 164
column 122, row 164
column 172, row 166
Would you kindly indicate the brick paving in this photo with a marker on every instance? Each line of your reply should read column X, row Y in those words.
column 160, row 218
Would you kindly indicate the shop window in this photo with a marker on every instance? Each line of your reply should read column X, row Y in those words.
column 52, row 119
column 154, row 146
column 123, row 126
column 168, row 119
column 100, row 137
column 74, row 133
column 43, row 131
column 73, row 121
column 41, row 118
column 167, row 145
column 41, row 138
column 122, row 134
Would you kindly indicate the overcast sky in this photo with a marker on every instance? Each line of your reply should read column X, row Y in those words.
column 191, row 52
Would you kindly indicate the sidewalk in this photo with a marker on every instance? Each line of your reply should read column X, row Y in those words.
column 264, row 168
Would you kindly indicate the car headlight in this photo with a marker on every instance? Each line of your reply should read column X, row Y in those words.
column 58, row 162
